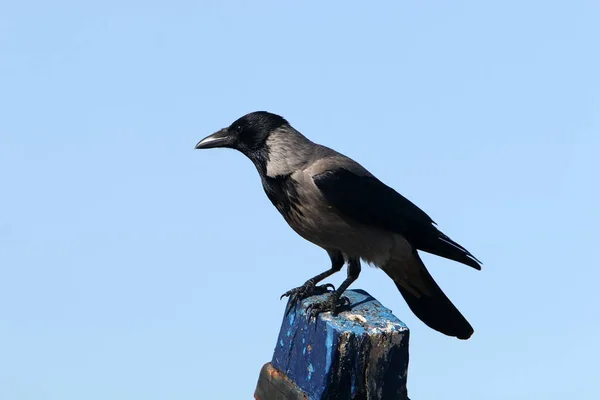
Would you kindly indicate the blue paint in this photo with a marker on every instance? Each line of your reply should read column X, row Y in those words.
column 335, row 350
column 311, row 369
column 329, row 347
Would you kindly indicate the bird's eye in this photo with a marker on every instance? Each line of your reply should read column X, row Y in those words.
column 239, row 129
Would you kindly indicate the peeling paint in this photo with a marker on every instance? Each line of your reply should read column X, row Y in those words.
column 347, row 355
column 357, row 318
column 329, row 344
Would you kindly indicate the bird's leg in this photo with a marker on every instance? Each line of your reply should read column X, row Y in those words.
column 309, row 288
column 335, row 299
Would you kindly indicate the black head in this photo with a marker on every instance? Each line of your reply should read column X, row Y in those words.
column 247, row 134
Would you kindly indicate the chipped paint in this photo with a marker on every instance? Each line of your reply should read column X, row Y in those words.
column 356, row 318
column 329, row 346
column 349, row 354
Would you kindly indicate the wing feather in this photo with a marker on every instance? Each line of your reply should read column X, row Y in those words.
column 369, row 201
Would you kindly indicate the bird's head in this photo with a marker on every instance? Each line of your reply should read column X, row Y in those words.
column 247, row 134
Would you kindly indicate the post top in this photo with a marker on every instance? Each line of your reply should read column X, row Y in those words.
column 360, row 351
column 365, row 315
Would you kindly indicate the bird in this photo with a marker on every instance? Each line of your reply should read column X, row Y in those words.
column 334, row 202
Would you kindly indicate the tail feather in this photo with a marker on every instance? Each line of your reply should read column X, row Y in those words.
column 429, row 303
column 441, row 245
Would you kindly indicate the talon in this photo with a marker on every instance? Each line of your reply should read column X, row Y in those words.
column 286, row 294
column 307, row 290
column 309, row 313
column 326, row 286
column 331, row 303
column 289, row 307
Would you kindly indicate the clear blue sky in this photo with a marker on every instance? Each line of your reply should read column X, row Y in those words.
column 133, row 267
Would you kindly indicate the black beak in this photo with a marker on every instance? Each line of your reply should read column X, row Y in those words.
column 221, row 138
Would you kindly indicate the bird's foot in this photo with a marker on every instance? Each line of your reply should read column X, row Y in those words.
column 308, row 289
column 333, row 303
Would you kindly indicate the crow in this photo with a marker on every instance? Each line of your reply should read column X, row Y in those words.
column 332, row 201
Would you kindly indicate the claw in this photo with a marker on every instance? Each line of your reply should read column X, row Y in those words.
column 307, row 290
column 326, row 286
column 290, row 305
column 345, row 301
column 332, row 303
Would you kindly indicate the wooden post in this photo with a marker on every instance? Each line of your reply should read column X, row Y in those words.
column 361, row 353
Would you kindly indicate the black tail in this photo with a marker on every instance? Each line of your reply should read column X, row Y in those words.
column 434, row 308
column 436, row 242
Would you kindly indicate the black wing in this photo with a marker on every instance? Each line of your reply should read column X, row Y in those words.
column 367, row 200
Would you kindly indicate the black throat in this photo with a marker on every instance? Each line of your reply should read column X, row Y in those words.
column 282, row 192
column 281, row 189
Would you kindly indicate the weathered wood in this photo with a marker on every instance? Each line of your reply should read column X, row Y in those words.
column 361, row 353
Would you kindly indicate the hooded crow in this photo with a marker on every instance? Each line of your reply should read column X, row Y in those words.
column 335, row 203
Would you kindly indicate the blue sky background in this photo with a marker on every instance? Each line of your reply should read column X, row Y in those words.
column 133, row 267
